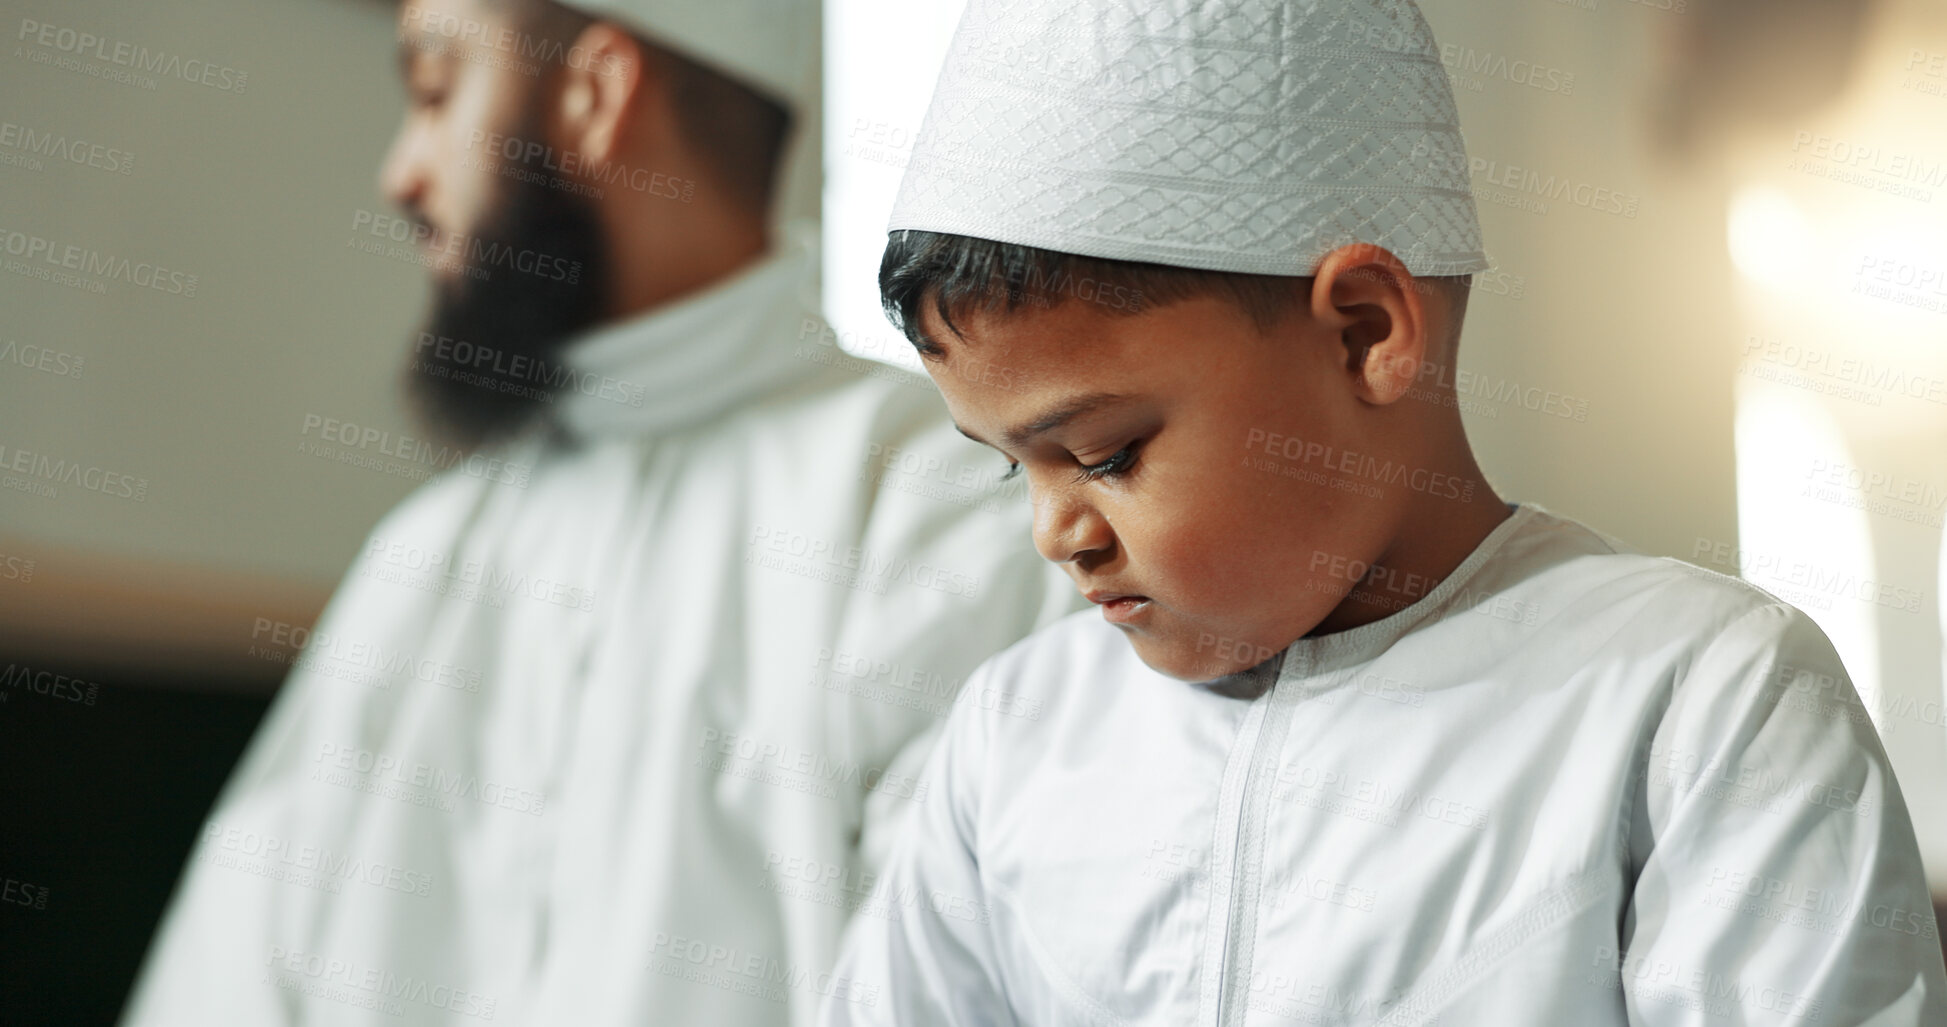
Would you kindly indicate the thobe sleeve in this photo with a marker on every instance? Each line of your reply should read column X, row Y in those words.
column 920, row 951
column 211, row 959
column 1027, row 595
column 882, row 818
column 1009, row 592
column 1778, row 877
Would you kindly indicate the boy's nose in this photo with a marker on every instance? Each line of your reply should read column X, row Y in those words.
column 1066, row 530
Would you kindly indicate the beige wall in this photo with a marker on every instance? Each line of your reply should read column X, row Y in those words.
column 1622, row 316
column 252, row 191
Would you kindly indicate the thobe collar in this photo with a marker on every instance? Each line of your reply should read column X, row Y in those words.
column 1313, row 654
column 700, row 356
column 1321, row 654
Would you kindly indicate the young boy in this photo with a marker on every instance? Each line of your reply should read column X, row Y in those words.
column 1350, row 740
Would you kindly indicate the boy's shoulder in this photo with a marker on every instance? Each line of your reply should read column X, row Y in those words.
column 1079, row 646
column 1565, row 563
column 1659, row 612
column 1068, row 675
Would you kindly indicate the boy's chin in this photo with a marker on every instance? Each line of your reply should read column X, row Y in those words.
column 1189, row 663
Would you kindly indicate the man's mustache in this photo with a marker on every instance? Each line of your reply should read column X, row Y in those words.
column 423, row 227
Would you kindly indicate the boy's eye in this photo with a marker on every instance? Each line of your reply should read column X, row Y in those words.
column 1114, row 466
column 1013, row 471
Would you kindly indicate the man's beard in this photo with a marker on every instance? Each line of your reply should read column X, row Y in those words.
column 486, row 365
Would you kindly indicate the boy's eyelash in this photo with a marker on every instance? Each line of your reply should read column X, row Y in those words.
column 1118, row 464
column 1115, row 466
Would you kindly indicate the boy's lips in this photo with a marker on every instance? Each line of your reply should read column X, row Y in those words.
column 1118, row 607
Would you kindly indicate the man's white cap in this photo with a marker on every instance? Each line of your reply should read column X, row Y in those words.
column 1251, row 136
column 764, row 44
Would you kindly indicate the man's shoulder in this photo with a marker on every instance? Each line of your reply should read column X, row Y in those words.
column 898, row 451
column 862, row 392
column 868, row 406
column 436, row 509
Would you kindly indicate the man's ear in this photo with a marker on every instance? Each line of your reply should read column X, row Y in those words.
column 1366, row 296
column 607, row 84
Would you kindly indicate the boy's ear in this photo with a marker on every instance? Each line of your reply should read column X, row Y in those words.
column 1366, row 296
column 602, row 96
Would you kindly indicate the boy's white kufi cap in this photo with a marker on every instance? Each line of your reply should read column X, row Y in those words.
column 765, row 44
column 1251, row 136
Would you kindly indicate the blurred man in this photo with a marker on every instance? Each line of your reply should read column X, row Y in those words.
column 609, row 723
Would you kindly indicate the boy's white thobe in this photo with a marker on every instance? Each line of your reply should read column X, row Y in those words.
column 580, row 718
column 1569, row 786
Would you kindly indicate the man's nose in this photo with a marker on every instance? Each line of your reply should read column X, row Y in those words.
column 402, row 178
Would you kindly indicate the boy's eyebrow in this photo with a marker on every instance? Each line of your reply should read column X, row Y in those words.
column 1070, row 409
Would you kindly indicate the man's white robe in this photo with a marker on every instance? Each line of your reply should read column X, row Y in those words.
column 1567, row 786
column 578, row 723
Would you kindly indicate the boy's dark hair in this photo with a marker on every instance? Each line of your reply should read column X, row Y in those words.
column 962, row 274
